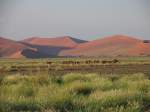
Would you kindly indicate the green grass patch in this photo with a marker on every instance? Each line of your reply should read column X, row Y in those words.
column 74, row 92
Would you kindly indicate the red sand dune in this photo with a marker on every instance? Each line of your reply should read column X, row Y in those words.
column 65, row 41
column 10, row 47
column 140, row 49
column 36, row 47
column 117, row 45
column 110, row 46
column 13, row 49
column 16, row 54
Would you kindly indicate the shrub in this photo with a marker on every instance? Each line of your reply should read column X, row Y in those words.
column 26, row 90
column 74, row 77
column 58, row 98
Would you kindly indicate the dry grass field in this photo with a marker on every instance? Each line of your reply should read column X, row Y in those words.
column 75, row 85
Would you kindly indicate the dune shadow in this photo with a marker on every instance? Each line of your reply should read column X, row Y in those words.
column 43, row 51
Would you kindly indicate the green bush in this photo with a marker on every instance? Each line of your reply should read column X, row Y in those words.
column 26, row 90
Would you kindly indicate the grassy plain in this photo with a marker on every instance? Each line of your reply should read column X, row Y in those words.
column 33, row 85
column 75, row 93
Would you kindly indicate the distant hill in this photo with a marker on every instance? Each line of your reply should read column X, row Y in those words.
column 51, row 47
column 10, row 48
column 36, row 47
column 65, row 41
column 14, row 49
column 117, row 45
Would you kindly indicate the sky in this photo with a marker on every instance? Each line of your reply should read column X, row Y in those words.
column 84, row 19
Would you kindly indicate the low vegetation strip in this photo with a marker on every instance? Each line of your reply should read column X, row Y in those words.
column 118, row 65
column 75, row 92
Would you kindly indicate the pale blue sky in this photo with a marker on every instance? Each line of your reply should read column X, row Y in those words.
column 85, row 19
